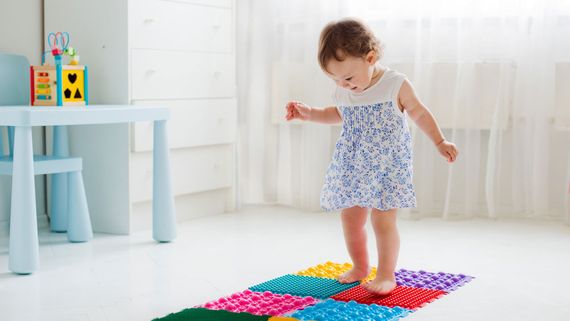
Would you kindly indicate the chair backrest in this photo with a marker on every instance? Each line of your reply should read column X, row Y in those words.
column 14, row 86
column 14, row 80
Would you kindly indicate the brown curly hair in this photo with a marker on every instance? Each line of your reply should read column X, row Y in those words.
column 347, row 37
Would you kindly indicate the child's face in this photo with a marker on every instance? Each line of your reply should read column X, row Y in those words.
column 353, row 73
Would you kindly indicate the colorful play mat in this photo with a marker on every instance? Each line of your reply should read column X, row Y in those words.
column 315, row 294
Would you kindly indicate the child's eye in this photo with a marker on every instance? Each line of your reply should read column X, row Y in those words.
column 348, row 79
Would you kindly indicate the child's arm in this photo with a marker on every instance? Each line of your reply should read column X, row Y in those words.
column 298, row 110
column 421, row 115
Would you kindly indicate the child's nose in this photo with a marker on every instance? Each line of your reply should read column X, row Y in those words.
column 344, row 84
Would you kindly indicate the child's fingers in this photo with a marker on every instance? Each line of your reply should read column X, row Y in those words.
column 454, row 152
column 451, row 157
column 295, row 110
column 447, row 156
column 292, row 114
column 289, row 110
column 292, row 106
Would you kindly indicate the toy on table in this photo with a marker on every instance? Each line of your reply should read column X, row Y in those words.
column 59, row 84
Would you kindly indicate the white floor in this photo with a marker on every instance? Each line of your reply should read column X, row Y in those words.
column 522, row 267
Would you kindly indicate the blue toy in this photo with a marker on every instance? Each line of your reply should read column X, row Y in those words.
column 59, row 85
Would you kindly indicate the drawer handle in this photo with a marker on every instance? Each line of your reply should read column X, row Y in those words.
column 149, row 20
column 150, row 72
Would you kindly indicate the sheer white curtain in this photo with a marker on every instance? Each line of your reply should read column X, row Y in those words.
column 496, row 74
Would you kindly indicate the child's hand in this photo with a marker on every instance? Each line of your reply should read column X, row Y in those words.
column 448, row 150
column 297, row 110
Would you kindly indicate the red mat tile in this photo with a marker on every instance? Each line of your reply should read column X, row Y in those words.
column 402, row 296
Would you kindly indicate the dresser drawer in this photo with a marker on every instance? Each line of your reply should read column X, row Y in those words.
column 181, row 75
column 193, row 170
column 212, row 3
column 174, row 25
column 192, row 123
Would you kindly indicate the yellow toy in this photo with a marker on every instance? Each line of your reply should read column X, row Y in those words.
column 59, row 85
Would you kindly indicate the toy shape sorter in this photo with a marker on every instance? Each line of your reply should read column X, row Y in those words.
column 59, row 84
column 314, row 294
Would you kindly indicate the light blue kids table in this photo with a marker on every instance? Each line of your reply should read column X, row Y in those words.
column 24, row 244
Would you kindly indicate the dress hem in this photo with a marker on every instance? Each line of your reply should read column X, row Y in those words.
column 385, row 208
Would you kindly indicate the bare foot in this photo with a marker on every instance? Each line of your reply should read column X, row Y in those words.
column 380, row 286
column 354, row 275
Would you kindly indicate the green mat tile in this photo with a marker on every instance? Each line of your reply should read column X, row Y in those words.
column 201, row 314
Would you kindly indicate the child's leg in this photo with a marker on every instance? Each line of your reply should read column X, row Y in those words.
column 353, row 225
column 388, row 244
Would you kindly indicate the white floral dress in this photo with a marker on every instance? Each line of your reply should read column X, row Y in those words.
column 372, row 163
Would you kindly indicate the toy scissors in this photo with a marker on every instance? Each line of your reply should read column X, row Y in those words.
column 58, row 42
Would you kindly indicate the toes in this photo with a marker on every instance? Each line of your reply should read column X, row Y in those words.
column 351, row 276
column 344, row 279
column 378, row 289
column 371, row 288
column 347, row 279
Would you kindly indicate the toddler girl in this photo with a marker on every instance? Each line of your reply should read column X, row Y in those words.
column 372, row 164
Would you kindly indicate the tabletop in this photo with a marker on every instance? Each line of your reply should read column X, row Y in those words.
column 83, row 115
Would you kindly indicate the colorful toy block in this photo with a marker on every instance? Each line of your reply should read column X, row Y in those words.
column 321, row 288
column 261, row 303
column 59, row 84
column 331, row 310
column 402, row 296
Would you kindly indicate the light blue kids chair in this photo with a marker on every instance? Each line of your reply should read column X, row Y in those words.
column 68, row 206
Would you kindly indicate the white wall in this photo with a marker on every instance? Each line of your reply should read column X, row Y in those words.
column 21, row 25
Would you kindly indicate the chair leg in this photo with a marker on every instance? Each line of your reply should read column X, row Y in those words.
column 24, row 245
column 58, row 204
column 11, row 131
column 79, row 223
column 58, row 209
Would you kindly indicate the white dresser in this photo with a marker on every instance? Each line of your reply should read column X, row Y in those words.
column 179, row 54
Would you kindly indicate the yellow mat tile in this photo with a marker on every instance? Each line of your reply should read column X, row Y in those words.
column 333, row 270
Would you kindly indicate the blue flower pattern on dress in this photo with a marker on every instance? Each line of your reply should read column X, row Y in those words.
column 372, row 163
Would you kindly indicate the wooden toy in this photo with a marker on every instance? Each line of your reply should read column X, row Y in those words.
column 59, row 84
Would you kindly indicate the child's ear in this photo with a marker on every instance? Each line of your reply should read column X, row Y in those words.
column 371, row 57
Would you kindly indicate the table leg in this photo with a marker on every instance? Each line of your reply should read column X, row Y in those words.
column 24, row 245
column 163, row 212
column 59, row 188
